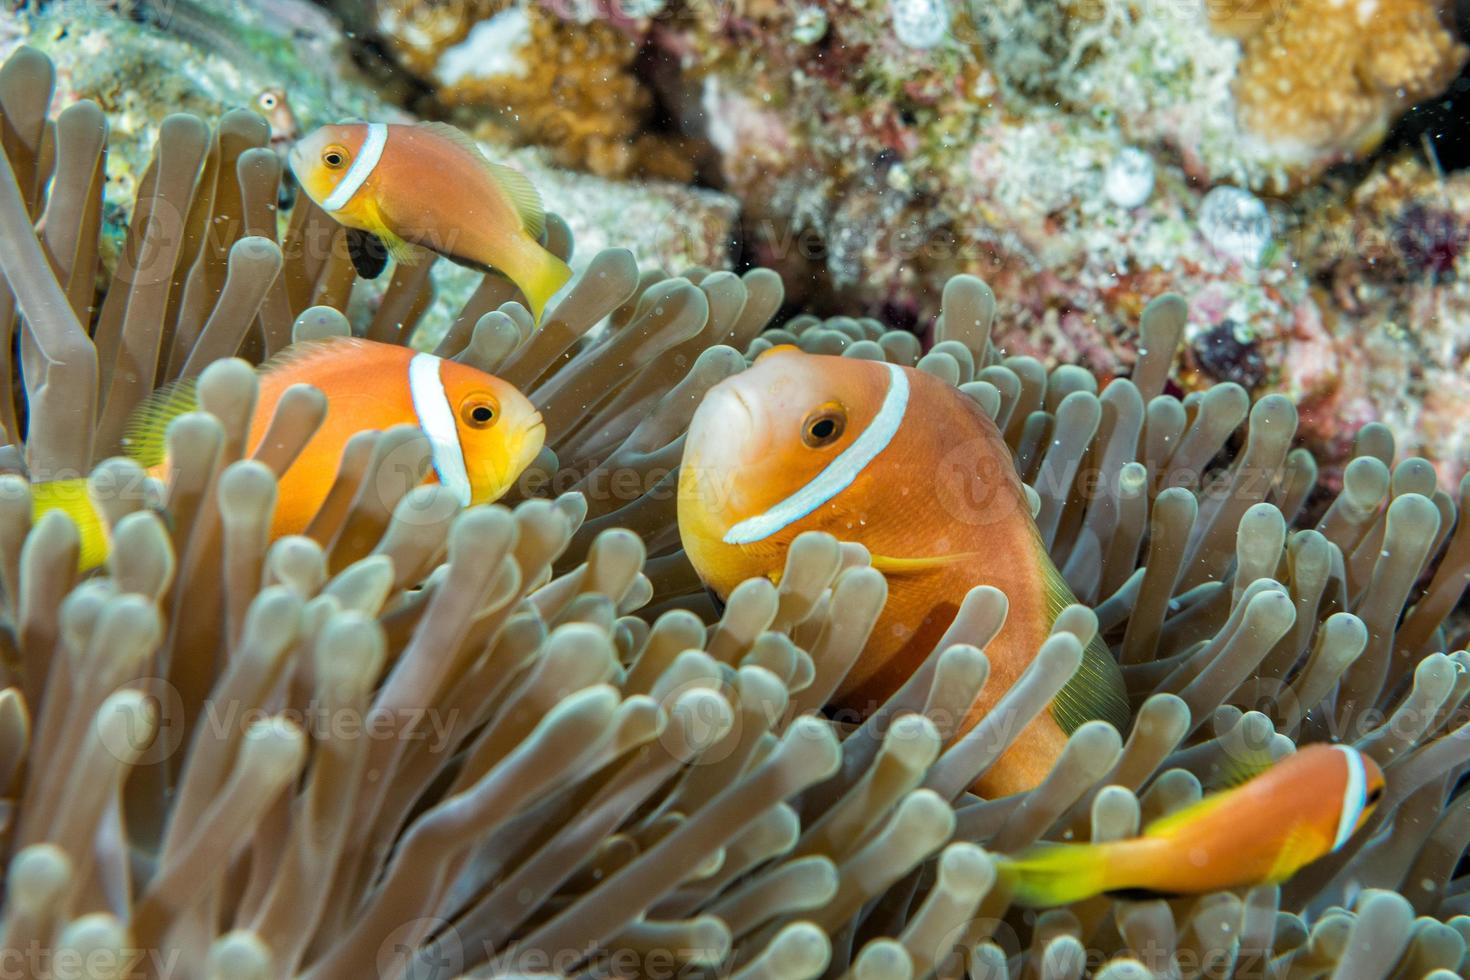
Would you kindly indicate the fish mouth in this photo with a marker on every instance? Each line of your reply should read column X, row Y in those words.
column 724, row 411
column 528, row 445
column 293, row 159
column 499, row 473
column 739, row 398
column 717, row 446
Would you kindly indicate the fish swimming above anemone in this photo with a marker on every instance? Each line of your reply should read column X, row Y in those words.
column 427, row 185
column 1260, row 832
column 912, row 469
column 482, row 432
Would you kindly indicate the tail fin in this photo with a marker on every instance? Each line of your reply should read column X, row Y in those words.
column 1055, row 874
column 71, row 498
column 541, row 280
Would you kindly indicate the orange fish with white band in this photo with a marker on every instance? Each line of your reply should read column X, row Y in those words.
column 428, row 185
column 482, row 432
column 1261, row 832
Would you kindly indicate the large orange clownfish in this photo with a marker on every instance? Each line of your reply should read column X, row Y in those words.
column 1261, row 832
column 908, row 466
column 428, row 185
column 482, row 432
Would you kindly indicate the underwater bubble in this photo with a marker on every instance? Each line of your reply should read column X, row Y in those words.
column 1235, row 222
column 1129, row 179
column 920, row 23
column 642, row 8
column 809, row 25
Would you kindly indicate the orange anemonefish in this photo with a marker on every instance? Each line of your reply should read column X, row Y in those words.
column 428, row 185
column 1261, row 832
column 482, row 432
column 276, row 108
column 908, row 466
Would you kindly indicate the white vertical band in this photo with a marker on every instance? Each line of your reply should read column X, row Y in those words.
column 838, row 475
column 437, row 420
column 362, row 167
column 1354, row 797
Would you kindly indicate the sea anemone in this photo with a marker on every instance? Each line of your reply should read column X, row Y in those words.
column 519, row 740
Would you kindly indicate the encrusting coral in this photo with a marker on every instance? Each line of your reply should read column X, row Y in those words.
column 519, row 740
column 1320, row 79
column 528, row 75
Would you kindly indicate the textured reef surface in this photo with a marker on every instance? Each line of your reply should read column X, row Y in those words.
column 1081, row 157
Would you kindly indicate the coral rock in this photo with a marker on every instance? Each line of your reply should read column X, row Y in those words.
column 1329, row 77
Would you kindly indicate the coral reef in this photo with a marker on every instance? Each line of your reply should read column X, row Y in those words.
column 1393, row 288
column 519, row 740
column 1318, row 77
column 1076, row 156
column 525, row 75
column 150, row 72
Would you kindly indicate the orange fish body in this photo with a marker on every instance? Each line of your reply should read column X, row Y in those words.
column 372, row 386
column 482, row 432
column 428, row 185
column 912, row 469
column 1261, row 832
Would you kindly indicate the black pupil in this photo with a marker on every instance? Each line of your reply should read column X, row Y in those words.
column 823, row 428
column 482, row 413
column 333, row 159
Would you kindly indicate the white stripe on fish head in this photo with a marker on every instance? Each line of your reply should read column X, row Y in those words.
column 362, row 168
column 437, row 419
column 838, row 475
column 1354, row 796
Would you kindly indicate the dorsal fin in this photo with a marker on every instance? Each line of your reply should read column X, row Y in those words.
column 304, row 350
column 143, row 438
column 1096, row 690
column 517, row 186
column 524, row 196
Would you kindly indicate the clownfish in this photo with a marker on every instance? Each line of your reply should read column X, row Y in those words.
column 910, row 467
column 482, row 432
column 1261, row 832
column 395, row 186
column 276, row 108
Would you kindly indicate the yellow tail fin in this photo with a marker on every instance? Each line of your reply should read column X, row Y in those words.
column 1055, row 874
column 541, row 281
column 71, row 498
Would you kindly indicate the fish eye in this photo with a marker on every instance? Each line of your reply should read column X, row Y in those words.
column 334, row 157
column 823, row 427
column 480, row 412
column 268, row 100
column 1375, row 794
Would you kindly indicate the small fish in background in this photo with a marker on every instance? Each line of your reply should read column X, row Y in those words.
column 1260, row 832
column 483, row 433
column 285, row 130
column 427, row 184
column 911, row 468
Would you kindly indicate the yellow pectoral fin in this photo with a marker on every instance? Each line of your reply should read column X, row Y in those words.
column 1302, row 846
column 404, row 253
column 910, row 566
column 369, row 218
